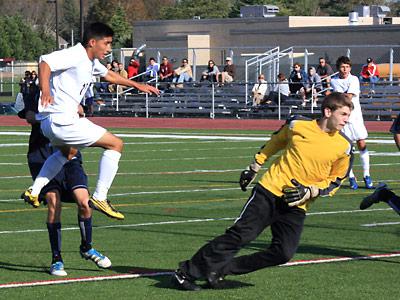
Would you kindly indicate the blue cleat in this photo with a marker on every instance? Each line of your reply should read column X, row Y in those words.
column 368, row 182
column 99, row 259
column 353, row 183
column 57, row 269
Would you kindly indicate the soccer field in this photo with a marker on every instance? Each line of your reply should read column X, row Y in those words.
column 178, row 189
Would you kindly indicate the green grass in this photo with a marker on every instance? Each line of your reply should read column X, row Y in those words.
column 160, row 180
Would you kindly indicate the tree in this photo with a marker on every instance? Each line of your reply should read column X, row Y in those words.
column 70, row 20
column 22, row 41
column 205, row 9
column 101, row 11
column 122, row 29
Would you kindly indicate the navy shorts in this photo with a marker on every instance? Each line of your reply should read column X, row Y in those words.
column 71, row 177
column 396, row 125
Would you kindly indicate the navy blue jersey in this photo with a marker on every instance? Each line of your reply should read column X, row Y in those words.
column 72, row 175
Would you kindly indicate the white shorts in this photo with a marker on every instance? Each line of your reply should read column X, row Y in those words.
column 355, row 130
column 82, row 133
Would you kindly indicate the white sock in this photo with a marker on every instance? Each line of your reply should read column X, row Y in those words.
column 351, row 174
column 364, row 155
column 108, row 168
column 53, row 164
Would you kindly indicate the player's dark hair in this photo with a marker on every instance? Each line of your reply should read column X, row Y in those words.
column 343, row 60
column 334, row 101
column 96, row 31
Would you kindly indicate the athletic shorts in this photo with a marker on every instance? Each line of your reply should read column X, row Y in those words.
column 396, row 125
column 82, row 133
column 355, row 131
column 71, row 177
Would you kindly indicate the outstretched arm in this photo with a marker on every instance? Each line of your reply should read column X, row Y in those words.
column 115, row 78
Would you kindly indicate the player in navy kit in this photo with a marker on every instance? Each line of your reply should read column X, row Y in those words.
column 69, row 185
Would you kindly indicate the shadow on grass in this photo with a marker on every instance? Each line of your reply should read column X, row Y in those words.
column 164, row 282
column 36, row 269
column 162, row 277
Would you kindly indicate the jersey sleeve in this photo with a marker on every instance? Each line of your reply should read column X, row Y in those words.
column 339, row 171
column 60, row 60
column 278, row 141
column 99, row 69
column 354, row 86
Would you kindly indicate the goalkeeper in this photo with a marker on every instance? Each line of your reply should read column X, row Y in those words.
column 315, row 159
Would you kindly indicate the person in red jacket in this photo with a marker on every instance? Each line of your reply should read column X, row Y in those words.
column 370, row 73
column 133, row 68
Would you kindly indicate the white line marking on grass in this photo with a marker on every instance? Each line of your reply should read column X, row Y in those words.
column 380, row 224
column 14, row 145
column 184, row 221
column 200, row 137
column 174, row 192
column 123, row 225
column 154, row 274
column 81, row 279
column 339, row 259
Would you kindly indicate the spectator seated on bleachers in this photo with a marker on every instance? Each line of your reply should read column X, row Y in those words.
column 308, row 90
column 297, row 79
column 133, row 68
column 182, row 74
column 324, row 70
column 210, row 74
column 370, row 73
column 259, row 90
column 166, row 70
column 229, row 72
column 152, row 69
column 282, row 88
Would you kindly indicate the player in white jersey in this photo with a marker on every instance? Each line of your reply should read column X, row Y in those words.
column 64, row 77
column 355, row 129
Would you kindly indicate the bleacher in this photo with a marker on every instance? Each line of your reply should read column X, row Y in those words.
column 196, row 100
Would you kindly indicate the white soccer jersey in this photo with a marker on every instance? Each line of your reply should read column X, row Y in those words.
column 72, row 73
column 355, row 128
column 349, row 85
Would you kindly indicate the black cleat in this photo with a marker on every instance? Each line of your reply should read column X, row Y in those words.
column 180, row 281
column 381, row 194
column 215, row 281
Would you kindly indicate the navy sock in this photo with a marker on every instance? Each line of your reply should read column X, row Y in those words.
column 85, row 225
column 54, row 230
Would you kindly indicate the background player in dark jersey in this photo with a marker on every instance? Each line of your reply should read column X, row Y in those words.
column 382, row 192
column 315, row 159
column 70, row 185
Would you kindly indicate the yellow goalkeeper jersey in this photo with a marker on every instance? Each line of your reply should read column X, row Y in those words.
column 310, row 155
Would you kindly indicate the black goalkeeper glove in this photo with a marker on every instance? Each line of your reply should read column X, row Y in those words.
column 299, row 194
column 247, row 176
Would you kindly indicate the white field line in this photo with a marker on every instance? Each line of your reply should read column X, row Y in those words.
column 184, row 221
column 198, row 137
column 380, row 224
column 162, row 192
column 198, row 158
column 153, row 274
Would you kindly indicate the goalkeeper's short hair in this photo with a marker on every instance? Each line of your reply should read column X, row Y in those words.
column 334, row 101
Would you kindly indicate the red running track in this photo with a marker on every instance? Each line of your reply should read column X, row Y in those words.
column 190, row 123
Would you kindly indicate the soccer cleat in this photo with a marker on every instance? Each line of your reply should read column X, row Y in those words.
column 29, row 198
column 381, row 193
column 215, row 281
column 180, row 281
column 57, row 269
column 99, row 259
column 106, row 208
column 368, row 182
column 353, row 183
